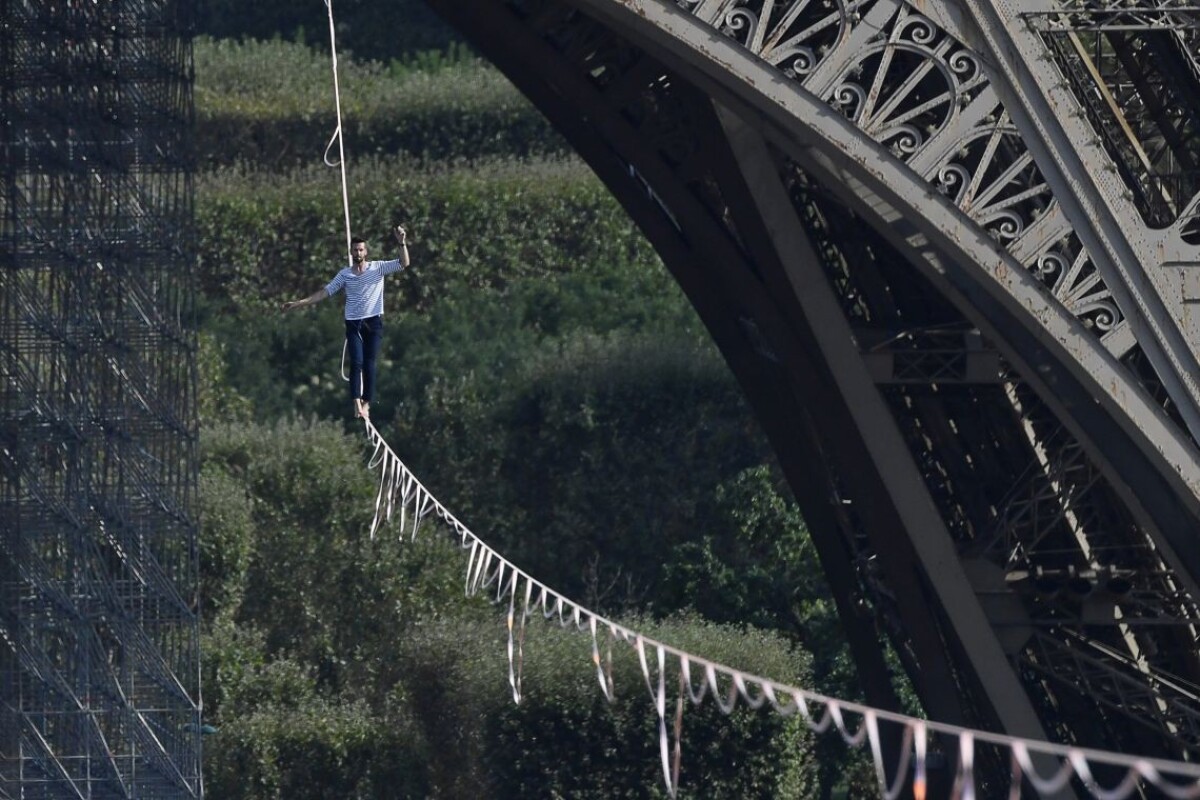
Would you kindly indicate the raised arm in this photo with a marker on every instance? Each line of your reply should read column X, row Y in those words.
column 402, row 240
column 312, row 299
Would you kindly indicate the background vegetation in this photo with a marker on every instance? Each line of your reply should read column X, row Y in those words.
column 370, row 30
column 541, row 373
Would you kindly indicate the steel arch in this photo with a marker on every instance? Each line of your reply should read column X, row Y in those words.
column 741, row 178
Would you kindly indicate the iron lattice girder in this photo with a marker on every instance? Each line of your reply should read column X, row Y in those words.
column 670, row 170
column 1140, row 95
column 748, row 32
column 1146, row 265
column 930, row 357
column 1116, row 15
column 902, row 206
column 1041, row 237
column 1160, row 704
column 99, row 668
column 750, row 183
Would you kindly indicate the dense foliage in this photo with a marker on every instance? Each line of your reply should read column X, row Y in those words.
column 547, row 379
column 485, row 225
column 342, row 666
column 395, row 29
column 269, row 104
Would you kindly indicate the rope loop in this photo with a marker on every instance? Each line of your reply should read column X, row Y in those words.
column 337, row 133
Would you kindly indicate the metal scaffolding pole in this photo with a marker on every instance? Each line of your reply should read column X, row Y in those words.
column 99, row 666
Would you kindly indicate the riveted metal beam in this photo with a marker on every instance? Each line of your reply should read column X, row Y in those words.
column 803, row 280
column 1087, row 482
column 1151, row 461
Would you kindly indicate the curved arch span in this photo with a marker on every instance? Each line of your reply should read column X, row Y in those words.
column 948, row 426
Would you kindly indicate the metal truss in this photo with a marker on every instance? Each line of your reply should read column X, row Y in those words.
column 930, row 356
column 1139, row 88
column 1164, row 705
column 1048, row 548
column 1106, row 101
column 1117, row 15
column 990, row 454
column 99, row 640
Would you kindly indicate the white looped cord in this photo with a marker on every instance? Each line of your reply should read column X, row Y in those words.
column 337, row 134
column 853, row 739
column 341, row 162
column 487, row 569
column 921, row 744
column 659, row 696
column 966, row 766
column 1044, row 786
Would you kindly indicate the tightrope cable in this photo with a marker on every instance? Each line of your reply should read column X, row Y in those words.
column 400, row 490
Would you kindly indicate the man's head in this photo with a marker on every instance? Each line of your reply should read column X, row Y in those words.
column 358, row 249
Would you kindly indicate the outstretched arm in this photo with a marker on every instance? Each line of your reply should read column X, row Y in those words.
column 312, row 299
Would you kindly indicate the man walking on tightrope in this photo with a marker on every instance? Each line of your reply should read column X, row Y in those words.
column 363, row 282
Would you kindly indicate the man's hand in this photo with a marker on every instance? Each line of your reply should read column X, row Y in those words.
column 401, row 235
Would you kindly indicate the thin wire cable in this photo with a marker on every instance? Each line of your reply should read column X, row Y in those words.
column 337, row 133
column 487, row 566
column 341, row 162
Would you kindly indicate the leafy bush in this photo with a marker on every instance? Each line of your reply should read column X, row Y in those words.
column 480, row 226
column 591, row 461
column 565, row 740
column 335, row 665
column 448, row 727
column 586, row 454
column 294, row 743
column 228, row 534
column 289, row 364
column 756, row 565
column 288, row 506
column 383, row 30
column 271, row 105
column 216, row 399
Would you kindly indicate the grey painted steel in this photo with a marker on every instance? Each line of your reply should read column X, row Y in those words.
column 1070, row 461
column 950, row 245
column 1146, row 268
column 918, row 514
column 961, row 140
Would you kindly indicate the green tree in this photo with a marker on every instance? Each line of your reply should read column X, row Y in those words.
column 378, row 30
column 293, row 502
column 756, row 565
column 483, row 225
column 591, row 459
column 337, row 664
column 565, row 740
column 270, row 106
column 217, row 400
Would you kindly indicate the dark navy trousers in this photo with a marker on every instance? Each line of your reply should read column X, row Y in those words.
column 363, row 338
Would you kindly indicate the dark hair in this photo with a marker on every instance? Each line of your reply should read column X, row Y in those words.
column 357, row 240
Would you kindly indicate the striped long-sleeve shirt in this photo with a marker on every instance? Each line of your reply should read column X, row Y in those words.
column 364, row 293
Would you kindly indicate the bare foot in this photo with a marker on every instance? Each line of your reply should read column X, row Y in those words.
column 359, row 411
column 366, row 410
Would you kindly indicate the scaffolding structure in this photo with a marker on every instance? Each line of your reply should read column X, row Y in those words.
column 99, row 663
